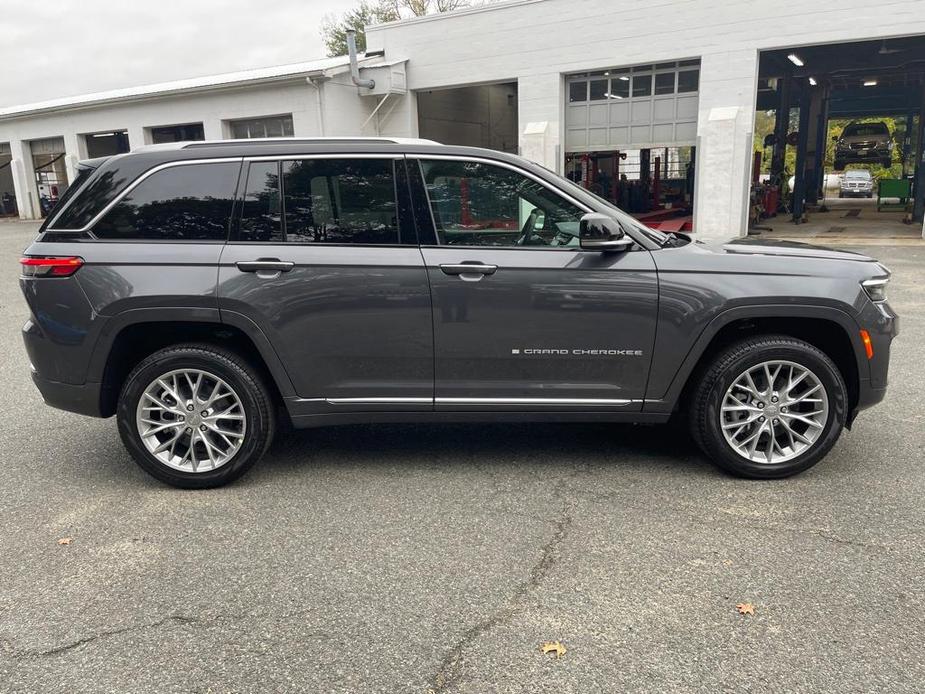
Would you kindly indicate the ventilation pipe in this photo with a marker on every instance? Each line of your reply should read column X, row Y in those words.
column 354, row 67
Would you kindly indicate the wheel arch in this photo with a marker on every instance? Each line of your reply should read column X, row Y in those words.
column 133, row 335
column 831, row 330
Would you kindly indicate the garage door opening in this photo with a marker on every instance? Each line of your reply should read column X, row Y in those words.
column 477, row 116
column 838, row 146
column 50, row 171
column 7, row 193
column 630, row 137
column 187, row 132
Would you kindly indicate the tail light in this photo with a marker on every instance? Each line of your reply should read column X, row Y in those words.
column 55, row 266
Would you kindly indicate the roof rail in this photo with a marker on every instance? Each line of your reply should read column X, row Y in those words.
column 306, row 140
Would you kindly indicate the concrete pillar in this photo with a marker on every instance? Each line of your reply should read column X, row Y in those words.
column 214, row 130
column 540, row 103
column 75, row 149
column 24, row 180
column 137, row 137
column 725, row 130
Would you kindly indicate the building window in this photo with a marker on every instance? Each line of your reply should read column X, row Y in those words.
column 188, row 132
column 271, row 126
column 578, row 91
column 664, row 83
column 688, row 81
column 598, row 90
column 642, row 85
column 191, row 202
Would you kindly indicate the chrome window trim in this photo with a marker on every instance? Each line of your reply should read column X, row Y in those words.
column 326, row 155
column 134, row 184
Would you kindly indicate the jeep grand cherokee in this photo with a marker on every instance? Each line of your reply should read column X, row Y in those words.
column 201, row 291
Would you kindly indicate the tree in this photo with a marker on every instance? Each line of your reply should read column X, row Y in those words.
column 334, row 28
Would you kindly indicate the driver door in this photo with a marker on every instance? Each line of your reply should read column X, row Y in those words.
column 523, row 318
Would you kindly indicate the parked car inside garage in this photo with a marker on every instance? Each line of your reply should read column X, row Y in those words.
column 864, row 143
column 857, row 183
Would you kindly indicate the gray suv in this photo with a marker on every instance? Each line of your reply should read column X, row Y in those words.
column 203, row 292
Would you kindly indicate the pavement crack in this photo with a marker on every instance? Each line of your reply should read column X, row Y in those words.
column 449, row 669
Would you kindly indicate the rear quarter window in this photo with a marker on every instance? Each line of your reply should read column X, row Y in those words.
column 189, row 202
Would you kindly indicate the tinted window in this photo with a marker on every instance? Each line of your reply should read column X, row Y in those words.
column 866, row 129
column 260, row 210
column 476, row 204
column 642, row 85
column 98, row 193
column 620, row 87
column 598, row 89
column 189, row 202
column 578, row 91
column 273, row 126
column 340, row 201
column 664, row 83
column 688, row 81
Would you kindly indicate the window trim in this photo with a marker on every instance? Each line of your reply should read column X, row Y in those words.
column 397, row 158
column 88, row 227
column 417, row 159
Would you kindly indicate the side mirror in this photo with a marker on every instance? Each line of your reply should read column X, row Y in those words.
column 598, row 232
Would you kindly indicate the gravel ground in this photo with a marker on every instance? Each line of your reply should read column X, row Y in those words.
column 412, row 558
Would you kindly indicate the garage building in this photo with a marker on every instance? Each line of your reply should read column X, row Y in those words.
column 654, row 106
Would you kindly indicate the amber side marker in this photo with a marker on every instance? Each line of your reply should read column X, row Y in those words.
column 868, row 345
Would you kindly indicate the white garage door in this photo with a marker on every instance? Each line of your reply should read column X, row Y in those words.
column 638, row 107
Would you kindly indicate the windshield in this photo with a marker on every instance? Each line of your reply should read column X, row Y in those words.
column 865, row 130
column 626, row 221
column 857, row 174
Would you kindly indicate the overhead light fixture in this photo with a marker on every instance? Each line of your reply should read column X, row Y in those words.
column 104, row 134
column 612, row 96
column 795, row 59
column 606, row 74
column 625, row 78
column 870, row 83
column 812, row 81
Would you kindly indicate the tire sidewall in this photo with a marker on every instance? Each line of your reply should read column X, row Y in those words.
column 245, row 387
column 808, row 357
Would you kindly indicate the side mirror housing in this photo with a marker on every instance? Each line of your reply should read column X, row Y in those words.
column 598, row 232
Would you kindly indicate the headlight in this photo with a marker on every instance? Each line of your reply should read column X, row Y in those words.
column 876, row 288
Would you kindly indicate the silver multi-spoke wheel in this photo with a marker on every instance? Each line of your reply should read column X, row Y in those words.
column 191, row 420
column 773, row 412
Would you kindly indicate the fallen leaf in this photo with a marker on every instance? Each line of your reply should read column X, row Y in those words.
column 746, row 608
column 553, row 647
column 64, row 541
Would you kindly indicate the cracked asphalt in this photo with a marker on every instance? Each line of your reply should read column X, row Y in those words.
column 437, row 559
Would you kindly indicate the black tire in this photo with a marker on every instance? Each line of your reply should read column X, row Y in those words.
column 841, row 195
column 726, row 367
column 237, row 373
column 839, row 165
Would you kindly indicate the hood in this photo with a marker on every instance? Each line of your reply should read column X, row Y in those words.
column 793, row 249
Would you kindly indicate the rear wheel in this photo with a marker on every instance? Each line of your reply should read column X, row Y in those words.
column 769, row 407
column 195, row 416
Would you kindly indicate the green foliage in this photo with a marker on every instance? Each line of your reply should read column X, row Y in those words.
column 368, row 12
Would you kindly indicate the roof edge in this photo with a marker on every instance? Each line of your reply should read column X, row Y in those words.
column 490, row 7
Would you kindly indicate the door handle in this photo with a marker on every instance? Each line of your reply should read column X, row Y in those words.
column 469, row 269
column 265, row 265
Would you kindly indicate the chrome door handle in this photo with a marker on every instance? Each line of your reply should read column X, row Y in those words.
column 265, row 265
column 469, row 269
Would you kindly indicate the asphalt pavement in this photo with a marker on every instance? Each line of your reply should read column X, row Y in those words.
column 439, row 558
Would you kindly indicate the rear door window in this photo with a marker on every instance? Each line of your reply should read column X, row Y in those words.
column 340, row 201
column 189, row 202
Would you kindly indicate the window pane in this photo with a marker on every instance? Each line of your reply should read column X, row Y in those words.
column 664, row 83
column 181, row 203
column 340, row 201
column 620, row 86
column 642, row 85
column 260, row 213
column 477, row 204
column 578, row 91
column 688, row 81
column 598, row 89
column 274, row 126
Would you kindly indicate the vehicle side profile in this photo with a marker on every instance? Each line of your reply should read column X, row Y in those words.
column 864, row 143
column 204, row 292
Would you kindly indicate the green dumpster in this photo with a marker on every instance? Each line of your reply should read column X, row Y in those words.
column 893, row 188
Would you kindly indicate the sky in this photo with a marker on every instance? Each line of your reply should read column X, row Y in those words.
column 56, row 48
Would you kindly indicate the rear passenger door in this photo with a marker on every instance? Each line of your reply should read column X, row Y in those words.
column 324, row 260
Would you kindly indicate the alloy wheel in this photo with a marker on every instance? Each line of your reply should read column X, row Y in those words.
column 191, row 420
column 774, row 412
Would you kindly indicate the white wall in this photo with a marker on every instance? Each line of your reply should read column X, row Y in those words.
column 535, row 42
column 211, row 108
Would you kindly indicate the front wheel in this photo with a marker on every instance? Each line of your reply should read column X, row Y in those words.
column 195, row 416
column 769, row 407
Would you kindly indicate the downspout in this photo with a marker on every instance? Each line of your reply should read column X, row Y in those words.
column 354, row 66
column 318, row 84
